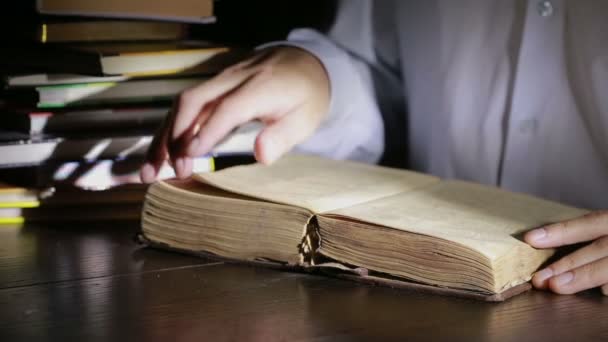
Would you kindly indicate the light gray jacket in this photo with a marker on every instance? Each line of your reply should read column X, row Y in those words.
column 508, row 93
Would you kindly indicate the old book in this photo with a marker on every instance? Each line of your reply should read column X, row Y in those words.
column 132, row 59
column 103, row 93
column 20, row 150
column 81, row 214
column 96, row 175
column 364, row 222
column 71, row 30
column 35, row 150
column 79, row 122
column 17, row 197
column 68, row 203
column 188, row 11
column 108, row 30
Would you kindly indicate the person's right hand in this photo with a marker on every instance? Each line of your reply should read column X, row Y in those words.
column 286, row 88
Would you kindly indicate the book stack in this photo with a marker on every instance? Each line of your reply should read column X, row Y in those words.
column 85, row 84
column 19, row 205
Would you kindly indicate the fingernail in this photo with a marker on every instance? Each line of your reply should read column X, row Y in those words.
column 193, row 146
column 563, row 278
column 537, row 234
column 147, row 173
column 543, row 274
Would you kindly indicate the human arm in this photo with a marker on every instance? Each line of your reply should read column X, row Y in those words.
column 337, row 116
column 247, row 91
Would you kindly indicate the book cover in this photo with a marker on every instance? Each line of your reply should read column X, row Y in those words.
column 84, row 122
column 19, row 149
column 187, row 11
column 141, row 59
column 108, row 31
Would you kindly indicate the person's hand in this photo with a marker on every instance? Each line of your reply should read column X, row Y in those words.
column 286, row 88
column 583, row 269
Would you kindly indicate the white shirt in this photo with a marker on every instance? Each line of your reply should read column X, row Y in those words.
column 507, row 93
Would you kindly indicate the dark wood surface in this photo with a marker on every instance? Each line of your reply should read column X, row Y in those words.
column 95, row 283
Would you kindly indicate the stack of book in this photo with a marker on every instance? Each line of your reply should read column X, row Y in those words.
column 19, row 205
column 85, row 84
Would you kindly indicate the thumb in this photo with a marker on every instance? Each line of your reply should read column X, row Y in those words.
column 282, row 135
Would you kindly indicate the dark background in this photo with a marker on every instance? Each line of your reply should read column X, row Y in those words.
column 261, row 21
column 239, row 22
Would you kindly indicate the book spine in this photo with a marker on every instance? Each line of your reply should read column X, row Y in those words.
column 185, row 11
column 98, row 174
column 110, row 31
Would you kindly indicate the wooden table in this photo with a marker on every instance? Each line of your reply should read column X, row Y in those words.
column 90, row 283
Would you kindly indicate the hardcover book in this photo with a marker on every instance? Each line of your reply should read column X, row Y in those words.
column 66, row 203
column 357, row 221
column 108, row 31
column 19, row 150
column 187, row 11
column 142, row 59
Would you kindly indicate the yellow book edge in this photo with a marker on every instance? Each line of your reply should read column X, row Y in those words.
column 26, row 204
column 11, row 220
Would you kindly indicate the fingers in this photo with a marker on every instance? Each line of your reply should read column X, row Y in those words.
column 183, row 167
column 157, row 152
column 588, row 276
column 584, row 228
column 583, row 269
column 268, row 91
column 255, row 99
column 183, row 122
column 178, row 148
column 253, row 89
column 192, row 101
column 586, row 255
column 281, row 136
column 240, row 106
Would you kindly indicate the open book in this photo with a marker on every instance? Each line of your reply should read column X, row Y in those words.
column 360, row 221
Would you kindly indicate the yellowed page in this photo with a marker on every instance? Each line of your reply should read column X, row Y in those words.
column 316, row 184
column 486, row 219
column 192, row 216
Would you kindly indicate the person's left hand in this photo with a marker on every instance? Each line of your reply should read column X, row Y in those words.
column 583, row 269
